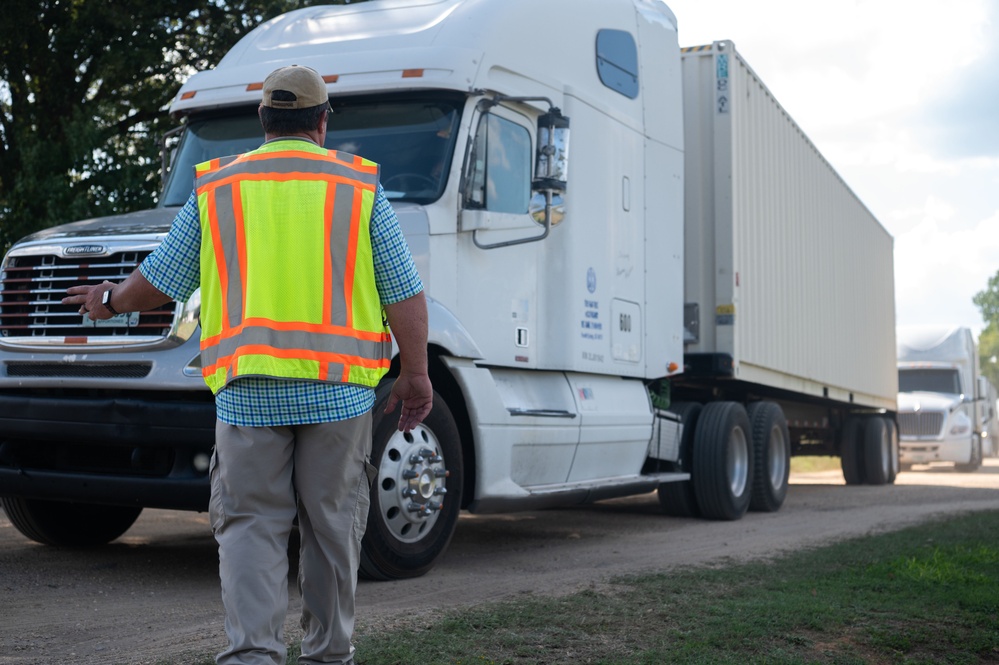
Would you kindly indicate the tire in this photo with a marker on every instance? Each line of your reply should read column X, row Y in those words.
column 677, row 498
column 876, row 451
column 409, row 522
column 723, row 461
column 976, row 458
column 894, row 464
column 66, row 524
column 851, row 447
column 771, row 456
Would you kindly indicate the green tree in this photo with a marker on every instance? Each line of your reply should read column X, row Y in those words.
column 987, row 301
column 988, row 353
column 84, row 88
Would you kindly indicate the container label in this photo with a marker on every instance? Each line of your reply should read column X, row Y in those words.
column 721, row 84
column 725, row 315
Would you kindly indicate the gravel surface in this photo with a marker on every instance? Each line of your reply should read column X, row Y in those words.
column 152, row 596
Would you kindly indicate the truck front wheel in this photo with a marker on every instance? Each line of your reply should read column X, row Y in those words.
column 975, row 462
column 416, row 497
column 772, row 456
column 723, row 461
column 66, row 524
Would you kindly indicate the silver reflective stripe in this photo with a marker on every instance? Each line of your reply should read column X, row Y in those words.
column 264, row 164
column 296, row 340
column 226, row 212
column 339, row 248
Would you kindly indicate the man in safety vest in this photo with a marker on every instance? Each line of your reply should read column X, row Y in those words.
column 300, row 261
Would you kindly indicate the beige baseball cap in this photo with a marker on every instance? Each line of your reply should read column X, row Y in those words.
column 304, row 83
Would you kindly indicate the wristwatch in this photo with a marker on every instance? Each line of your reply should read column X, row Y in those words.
column 106, row 301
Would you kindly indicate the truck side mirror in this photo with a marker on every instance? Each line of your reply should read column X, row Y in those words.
column 551, row 172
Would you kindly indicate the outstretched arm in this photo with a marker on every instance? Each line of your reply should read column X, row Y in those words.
column 135, row 294
column 408, row 321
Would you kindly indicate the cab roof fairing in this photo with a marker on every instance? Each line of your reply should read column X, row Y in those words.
column 458, row 44
column 359, row 48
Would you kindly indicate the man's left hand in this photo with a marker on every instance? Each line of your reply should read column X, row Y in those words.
column 89, row 297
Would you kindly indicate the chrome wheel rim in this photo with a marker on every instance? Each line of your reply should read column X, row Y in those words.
column 412, row 478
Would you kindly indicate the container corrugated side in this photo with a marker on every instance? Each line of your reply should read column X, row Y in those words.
column 792, row 274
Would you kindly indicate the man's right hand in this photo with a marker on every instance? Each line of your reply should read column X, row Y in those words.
column 417, row 396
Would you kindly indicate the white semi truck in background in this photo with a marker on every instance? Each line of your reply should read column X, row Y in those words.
column 679, row 298
column 942, row 412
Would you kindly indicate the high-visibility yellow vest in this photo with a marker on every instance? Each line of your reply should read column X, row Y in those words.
column 287, row 281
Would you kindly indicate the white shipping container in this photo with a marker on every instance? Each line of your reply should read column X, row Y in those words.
column 791, row 275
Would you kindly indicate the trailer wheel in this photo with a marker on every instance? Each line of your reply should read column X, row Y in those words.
column 851, row 446
column 976, row 458
column 416, row 496
column 66, row 524
column 771, row 456
column 723, row 461
column 677, row 498
column 877, row 451
column 894, row 464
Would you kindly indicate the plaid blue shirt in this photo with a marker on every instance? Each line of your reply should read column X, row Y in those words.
column 175, row 269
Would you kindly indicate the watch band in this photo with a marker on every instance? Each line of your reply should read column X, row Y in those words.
column 106, row 301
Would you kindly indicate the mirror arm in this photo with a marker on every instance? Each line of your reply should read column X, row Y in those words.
column 521, row 241
column 163, row 154
column 548, row 190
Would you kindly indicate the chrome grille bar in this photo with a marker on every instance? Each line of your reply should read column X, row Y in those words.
column 922, row 423
column 32, row 287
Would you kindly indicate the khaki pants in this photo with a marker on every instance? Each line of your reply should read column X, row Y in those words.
column 261, row 477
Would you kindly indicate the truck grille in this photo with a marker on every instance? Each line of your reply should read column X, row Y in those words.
column 31, row 288
column 920, row 424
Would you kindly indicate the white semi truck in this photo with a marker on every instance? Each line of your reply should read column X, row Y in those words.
column 679, row 298
column 942, row 413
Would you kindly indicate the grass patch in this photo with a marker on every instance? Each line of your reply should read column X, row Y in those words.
column 928, row 594
column 925, row 595
column 815, row 463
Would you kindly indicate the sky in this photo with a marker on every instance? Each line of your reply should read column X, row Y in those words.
column 902, row 98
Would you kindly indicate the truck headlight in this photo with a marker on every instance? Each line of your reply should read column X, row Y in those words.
column 961, row 425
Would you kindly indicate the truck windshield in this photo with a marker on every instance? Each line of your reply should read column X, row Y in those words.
column 929, row 381
column 412, row 139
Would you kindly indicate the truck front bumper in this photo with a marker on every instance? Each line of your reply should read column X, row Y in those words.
column 110, row 449
column 923, row 451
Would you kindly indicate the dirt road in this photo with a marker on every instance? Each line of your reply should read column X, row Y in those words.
column 152, row 596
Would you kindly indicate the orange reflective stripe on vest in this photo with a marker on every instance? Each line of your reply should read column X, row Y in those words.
column 287, row 277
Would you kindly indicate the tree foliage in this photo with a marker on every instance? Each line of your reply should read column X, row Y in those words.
column 988, row 353
column 84, row 88
column 987, row 301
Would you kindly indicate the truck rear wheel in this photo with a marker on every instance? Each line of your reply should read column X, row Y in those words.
column 771, row 456
column 416, row 497
column 894, row 464
column 677, row 498
column 877, row 451
column 723, row 461
column 851, row 447
column 66, row 524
